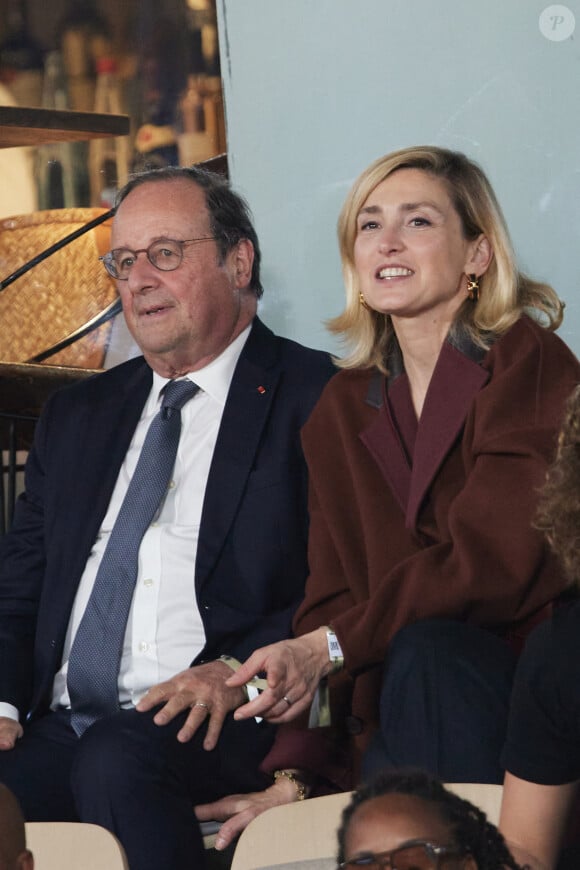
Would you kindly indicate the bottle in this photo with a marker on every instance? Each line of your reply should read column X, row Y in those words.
column 108, row 158
column 55, row 161
column 84, row 36
column 161, row 39
column 194, row 142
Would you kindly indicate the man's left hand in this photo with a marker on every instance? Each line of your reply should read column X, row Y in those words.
column 203, row 691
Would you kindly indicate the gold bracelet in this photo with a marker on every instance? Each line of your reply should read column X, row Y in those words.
column 287, row 774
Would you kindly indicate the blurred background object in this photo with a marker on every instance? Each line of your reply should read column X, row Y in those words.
column 156, row 62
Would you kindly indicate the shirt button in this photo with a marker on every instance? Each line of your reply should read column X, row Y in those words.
column 148, row 581
column 143, row 646
column 171, row 484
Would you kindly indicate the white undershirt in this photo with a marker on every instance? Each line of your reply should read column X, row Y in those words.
column 164, row 629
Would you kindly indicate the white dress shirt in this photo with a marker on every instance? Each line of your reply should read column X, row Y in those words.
column 164, row 630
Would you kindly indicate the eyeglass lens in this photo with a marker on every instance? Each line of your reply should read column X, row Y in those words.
column 415, row 857
column 164, row 254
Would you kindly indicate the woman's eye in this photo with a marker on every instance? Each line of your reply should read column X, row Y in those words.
column 419, row 222
column 368, row 225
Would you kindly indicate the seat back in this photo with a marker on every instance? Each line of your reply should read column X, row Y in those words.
column 59, row 295
column 303, row 834
column 74, row 846
column 302, row 831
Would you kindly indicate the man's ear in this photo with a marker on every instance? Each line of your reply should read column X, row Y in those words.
column 481, row 256
column 241, row 263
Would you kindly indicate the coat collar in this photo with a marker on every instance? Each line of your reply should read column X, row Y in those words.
column 456, row 380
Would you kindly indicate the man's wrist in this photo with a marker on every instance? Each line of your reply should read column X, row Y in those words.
column 9, row 711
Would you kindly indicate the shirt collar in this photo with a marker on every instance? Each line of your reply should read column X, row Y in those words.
column 214, row 378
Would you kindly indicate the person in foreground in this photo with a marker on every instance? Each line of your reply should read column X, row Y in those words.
column 13, row 852
column 406, row 820
column 161, row 536
column 424, row 454
column 542, row 751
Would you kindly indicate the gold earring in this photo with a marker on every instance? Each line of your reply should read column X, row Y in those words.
column 363, row 301
column 473, row 287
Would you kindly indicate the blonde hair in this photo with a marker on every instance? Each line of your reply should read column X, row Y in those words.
column 505, row 293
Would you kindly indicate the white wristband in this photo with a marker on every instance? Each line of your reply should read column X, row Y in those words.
column 335, row 653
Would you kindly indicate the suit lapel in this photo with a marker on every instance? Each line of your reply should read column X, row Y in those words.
column 247, row 409
column 105, row 437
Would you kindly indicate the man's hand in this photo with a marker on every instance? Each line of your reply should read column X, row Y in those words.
column 238, row 810
column 203, row 691
column 10, row 732
column 293, row 670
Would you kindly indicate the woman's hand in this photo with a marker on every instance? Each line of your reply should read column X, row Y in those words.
column 293, row 670
column 238, row 810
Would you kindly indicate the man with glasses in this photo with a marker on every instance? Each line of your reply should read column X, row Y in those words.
column 161, row 537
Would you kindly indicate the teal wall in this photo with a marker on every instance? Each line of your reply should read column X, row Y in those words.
column 316, row 89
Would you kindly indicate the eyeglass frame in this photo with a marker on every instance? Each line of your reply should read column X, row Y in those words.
column 107, row 261
column 432, row 849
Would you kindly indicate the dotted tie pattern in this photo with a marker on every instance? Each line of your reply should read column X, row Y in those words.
column 95, row 655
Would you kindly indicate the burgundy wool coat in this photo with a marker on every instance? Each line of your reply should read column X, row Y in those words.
column 446, row 531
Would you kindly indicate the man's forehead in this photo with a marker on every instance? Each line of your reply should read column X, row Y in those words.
column 161, row 209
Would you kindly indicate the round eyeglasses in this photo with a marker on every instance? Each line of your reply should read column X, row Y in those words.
column 413, row 855
column 164, row 254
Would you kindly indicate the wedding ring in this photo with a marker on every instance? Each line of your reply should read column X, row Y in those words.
column 201, row 704
column 288, row 701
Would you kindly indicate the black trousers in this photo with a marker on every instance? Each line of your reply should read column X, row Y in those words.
column 133, row 778
column 444, row 702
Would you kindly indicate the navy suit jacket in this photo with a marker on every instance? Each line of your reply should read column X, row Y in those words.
column 251, row 561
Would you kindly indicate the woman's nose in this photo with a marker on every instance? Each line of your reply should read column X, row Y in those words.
column 390, row 239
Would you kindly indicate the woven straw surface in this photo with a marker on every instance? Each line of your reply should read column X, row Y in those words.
column 60, row 294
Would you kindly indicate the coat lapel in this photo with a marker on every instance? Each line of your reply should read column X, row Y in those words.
column 454, row 384
column 383, row 442
column 247, row 408
column 456, row 380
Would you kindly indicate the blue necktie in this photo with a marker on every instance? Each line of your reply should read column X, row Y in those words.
column 93, row 668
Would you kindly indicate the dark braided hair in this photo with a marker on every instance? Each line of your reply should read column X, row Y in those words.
column 468, row 825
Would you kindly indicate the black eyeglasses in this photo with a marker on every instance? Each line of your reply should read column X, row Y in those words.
column 164, row 254
column 413, row 855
